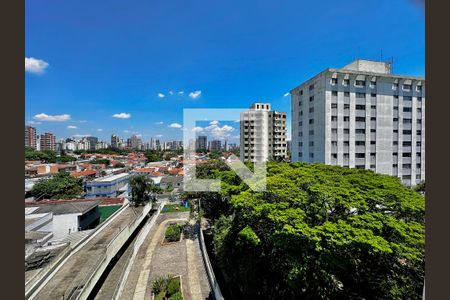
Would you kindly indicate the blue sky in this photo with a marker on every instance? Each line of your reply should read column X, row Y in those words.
column 90, row 60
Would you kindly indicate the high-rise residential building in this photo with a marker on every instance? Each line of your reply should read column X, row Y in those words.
column 263, row 133
column 30, row 137
column 362, row 116
column 216, row 145
column 134, row 142
column 115, row 141
column 92, row 142
column 201, row 142
column 48, row 142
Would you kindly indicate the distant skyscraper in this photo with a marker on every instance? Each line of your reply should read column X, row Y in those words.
column 30, row 137
column 48, row 141
column 92, row 142
column 202, row 142
column 115, row 141
column 263, row 133
column 216, row 145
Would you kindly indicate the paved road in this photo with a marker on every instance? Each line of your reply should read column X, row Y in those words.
column 181, row 258
column 82, row 263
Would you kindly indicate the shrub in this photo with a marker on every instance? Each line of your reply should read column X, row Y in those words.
column 176, row 296
column 173, row 287
column 173, row 233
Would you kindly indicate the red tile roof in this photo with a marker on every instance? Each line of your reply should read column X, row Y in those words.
column 84, row 173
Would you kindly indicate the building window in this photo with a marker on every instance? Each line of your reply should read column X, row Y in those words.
column 419, row 109
column 419, row 88
column 346, row 106
column 346, row 119
column 333, row 105
column 373, row 107
column 300, row 134
column 311, row 155
column 406, row 87
column 311, row 132
column 360, row 107
column 311, row 144
column 373, row 95
column 334, row 93
column 334, row 81
column 333, row 118
column 300, row 144
column 333, row 143
column 360, row 155
column 360, row 131
column 407, row 109
column 418, row 166
column 373, row 118
column 346, row 82
column 311, row 87
column 360, row 95
column 300, row 103
column 395, row 86
column 360, row 119
column 300, row 154
column 406, row 177
column 346, row 94
column 301, row 113
column 406, row 166
column 373, row 142
column 311, row 121
column 419, row 144
column 395, row 166
column 346, row 143
column 360, row 83
column 360, row 143
column 419, row 99
column 395, row 119
column 311, row 99
column 372, row 166
column 301, row 92
column 311, row 109
column 396, row 97
column 407, row 132
column 406, row 154
column 419, row 121
column 406, row 144
column 373, row 130
column 333, row 130
column 419, row 132
column 407, row 121
column 407, row 98
column 395, row 143
column 373, row 84
column 300, row 123
column 346, row 130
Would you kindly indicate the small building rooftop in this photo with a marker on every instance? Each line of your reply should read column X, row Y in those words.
column 111, row 178
column 62, row 207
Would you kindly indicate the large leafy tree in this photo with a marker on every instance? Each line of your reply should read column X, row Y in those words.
column 143, row 189
column 61, row 186
column 320, row 232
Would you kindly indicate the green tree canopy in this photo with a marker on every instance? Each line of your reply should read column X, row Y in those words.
column 318, row 232
column 142, row 188
column 61, row 186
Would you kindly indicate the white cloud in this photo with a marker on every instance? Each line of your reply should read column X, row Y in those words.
column 159, row 123
column 126, row 131
column 197, row 129
column 139, row 135
column 287, row 94
column 82, row 121
column 195, row 94
column 50, row 118
column 72, row 127
column 34, row 65
column 33, row 123
column 161, row 95
column 237, row 121
column 219, row 132
column 180, row 93
column 175, row 125
column 171, row 92
column 158, row 135
column 122, row 116
column 99, row 129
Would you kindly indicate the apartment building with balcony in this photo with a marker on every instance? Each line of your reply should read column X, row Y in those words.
column 262, row 133
column 362, row 116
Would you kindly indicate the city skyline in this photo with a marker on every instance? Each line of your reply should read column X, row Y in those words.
column 97, row 78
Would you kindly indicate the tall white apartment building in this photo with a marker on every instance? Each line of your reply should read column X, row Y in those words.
column 263, row 133
column 362, row 116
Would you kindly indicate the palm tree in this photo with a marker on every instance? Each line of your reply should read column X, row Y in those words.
column 142, row 189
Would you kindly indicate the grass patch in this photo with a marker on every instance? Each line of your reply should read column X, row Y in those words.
column 167, row 287
column 173, row 233
column 107, row 211
column 168, row 208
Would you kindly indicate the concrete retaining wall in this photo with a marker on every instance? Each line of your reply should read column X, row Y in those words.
column 209, row 270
